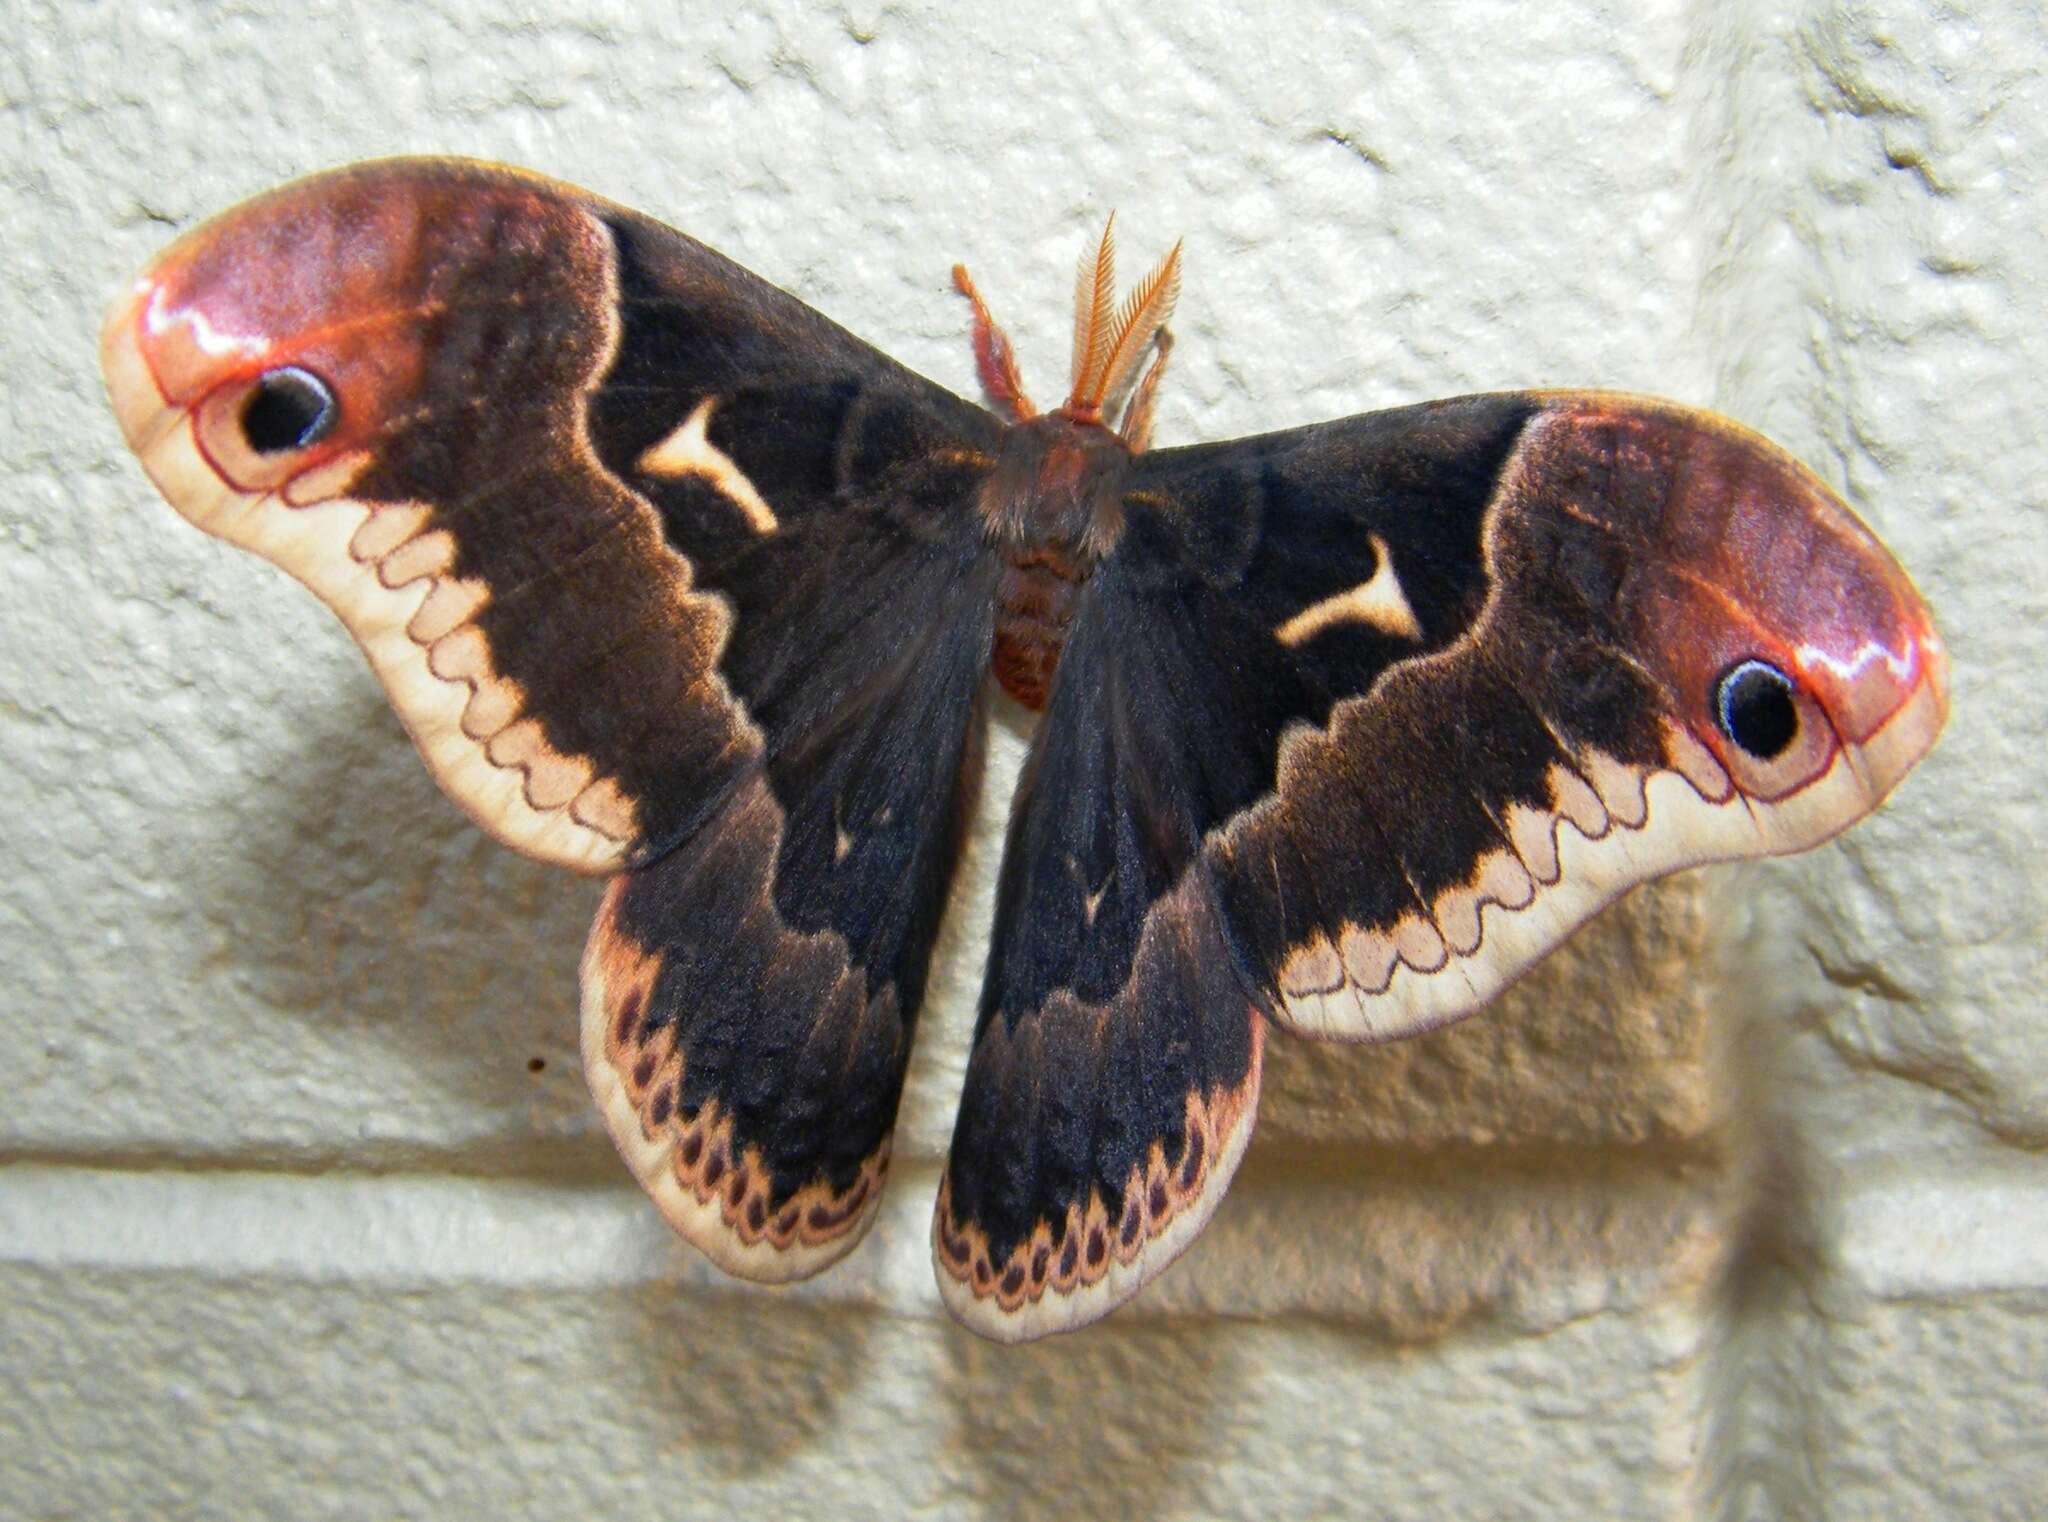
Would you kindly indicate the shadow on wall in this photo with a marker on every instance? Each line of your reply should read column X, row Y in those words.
column 748, row 1383
column 1616, row 1040
column 1116, row 1422
column 354, row 897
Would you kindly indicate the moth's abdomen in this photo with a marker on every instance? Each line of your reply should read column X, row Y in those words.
column 1034, row 606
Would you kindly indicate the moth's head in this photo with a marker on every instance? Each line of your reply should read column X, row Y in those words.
column 1799, row 649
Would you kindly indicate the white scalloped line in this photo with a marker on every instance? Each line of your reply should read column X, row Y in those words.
column 381, row 594
column 1355, row 991
column 1135, row 1264
column 383, row 570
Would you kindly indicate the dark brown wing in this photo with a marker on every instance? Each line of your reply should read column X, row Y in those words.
column 511, row 433
column 663, row 572
column 1355, row 723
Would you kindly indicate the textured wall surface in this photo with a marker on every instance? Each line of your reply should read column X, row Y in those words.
column 1737, row 1208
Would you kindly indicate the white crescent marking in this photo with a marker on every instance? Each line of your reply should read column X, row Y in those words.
column 689, row 452
column 1378, row 601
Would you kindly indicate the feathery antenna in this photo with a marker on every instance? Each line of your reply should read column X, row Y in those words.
column 1109, row 348
column 1142, row 316
column 1110, row 342
column 1094, row 294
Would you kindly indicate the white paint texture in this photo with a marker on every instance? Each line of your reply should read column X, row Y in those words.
column 1735, row 1209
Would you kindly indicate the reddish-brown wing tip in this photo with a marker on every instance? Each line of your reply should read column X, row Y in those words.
column 260, row 368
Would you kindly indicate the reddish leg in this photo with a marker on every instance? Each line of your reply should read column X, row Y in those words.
column 1137, row 424
column 994, row 357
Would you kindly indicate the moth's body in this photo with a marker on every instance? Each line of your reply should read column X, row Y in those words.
column 1052, row 501
column 670, row 578
column 1050, row 507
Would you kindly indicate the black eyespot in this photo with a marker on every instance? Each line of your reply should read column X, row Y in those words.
column 289, row 409
column 1753, row 705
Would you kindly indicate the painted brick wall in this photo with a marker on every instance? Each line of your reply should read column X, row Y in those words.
column 1737, row 1208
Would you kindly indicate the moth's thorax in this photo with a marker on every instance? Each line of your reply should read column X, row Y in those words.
column 1052, row 509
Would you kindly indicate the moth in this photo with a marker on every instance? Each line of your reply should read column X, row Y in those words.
column 674, row 581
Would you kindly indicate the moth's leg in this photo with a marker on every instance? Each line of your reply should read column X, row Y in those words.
column 993, row 356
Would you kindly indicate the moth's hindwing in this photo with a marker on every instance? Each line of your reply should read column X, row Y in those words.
column 1115, row 1070
column 749, row 999
column 1355, row 723
column 663, row 572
